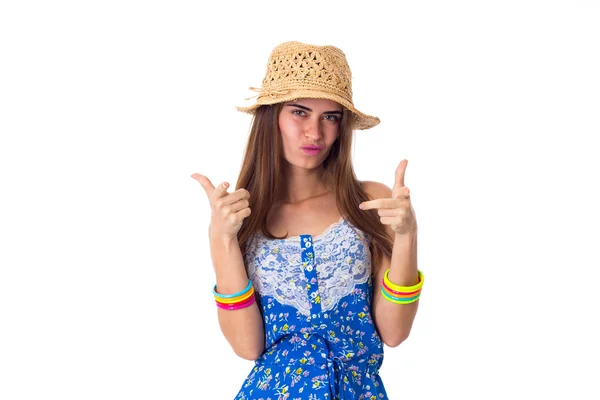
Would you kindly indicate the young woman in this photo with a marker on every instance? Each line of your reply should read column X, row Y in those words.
column 315, row 270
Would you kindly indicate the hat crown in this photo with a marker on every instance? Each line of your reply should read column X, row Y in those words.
column 301, row 66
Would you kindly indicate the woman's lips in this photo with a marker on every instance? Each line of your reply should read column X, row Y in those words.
column 311, row 152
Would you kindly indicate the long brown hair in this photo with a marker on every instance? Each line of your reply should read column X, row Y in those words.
column 261, row 176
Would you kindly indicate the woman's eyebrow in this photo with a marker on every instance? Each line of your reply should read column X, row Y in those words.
column 308, row 109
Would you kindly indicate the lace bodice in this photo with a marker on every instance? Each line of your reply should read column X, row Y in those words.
column 341, row 262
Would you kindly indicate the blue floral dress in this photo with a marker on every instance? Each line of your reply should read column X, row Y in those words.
column 315, row 295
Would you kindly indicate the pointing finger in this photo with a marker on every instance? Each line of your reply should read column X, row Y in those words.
column 380, row 203
column 211, row 192
column 205, row 182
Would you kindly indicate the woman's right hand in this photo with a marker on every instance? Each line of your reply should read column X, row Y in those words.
column 228, row 209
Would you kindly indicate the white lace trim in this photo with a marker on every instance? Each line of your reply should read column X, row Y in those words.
column 341, row 258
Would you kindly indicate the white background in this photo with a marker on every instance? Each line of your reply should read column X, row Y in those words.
column 108, row 107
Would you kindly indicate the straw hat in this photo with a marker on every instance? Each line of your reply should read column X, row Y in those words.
column 297, row 70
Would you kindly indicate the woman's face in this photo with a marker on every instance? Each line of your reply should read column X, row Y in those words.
column 309, row 123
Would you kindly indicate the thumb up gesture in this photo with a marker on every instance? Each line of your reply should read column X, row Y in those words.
column 228, row 209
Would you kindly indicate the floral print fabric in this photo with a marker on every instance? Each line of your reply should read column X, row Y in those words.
column 315, row 297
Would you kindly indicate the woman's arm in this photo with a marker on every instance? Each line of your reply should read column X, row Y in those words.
column 242, row 328
column 393, row 321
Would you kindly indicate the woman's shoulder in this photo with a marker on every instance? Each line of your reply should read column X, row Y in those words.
column 376, row 190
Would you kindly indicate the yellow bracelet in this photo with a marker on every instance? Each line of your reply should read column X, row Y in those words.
column 404, row 289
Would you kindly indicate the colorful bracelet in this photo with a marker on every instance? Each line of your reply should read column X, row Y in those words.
column 238, row 299
column 401, row 294
column 237, row 306
column 235, row 301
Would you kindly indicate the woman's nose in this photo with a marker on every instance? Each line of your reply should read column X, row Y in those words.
column 313, row 130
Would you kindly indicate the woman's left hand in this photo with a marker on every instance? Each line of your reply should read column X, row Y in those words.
column 396, row 211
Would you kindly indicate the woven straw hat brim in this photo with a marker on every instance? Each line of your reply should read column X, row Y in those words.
column 360, row 121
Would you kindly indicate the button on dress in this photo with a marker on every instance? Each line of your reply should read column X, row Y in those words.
column 315, row 297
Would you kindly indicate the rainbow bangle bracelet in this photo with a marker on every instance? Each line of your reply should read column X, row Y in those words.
column 401, row 294
column 238, row 299
column 235, row 301
column 398, row 300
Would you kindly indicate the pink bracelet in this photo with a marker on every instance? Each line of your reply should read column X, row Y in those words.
column 236, row 306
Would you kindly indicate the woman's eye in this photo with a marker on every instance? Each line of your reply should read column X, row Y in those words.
column 333, row 118
column 298, row 112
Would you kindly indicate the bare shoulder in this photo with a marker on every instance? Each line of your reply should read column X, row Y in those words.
column 377, row 190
